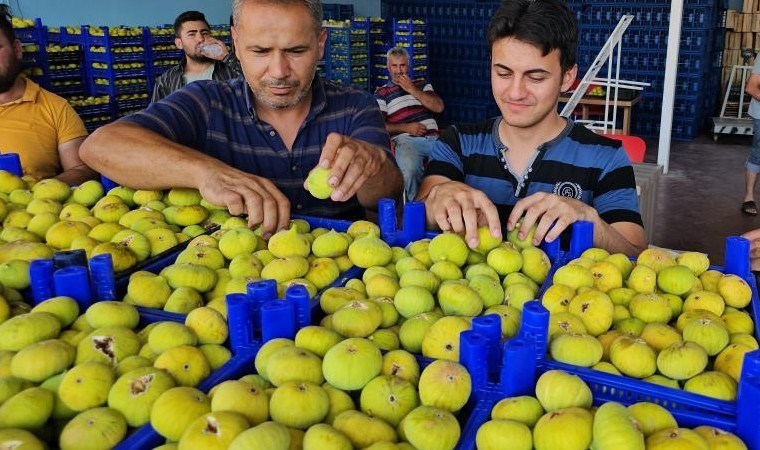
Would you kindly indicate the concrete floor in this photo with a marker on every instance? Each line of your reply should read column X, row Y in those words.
column 699, row 199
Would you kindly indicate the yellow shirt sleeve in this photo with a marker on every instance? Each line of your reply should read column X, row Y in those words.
column 34, row 126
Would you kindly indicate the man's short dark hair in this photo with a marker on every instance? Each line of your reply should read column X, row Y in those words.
column 6, row 27
column 545, row 24
column 188, row 16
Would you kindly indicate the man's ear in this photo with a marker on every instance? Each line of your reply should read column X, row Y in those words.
column 568, row 78
column 322, row 39
column 18, row 49
column 178, row 43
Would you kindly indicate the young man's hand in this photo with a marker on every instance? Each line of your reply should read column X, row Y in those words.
column 459, row 208
column 552, row 213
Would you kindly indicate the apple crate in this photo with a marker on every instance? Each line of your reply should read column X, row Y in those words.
column 276, row 320
column 522, row 365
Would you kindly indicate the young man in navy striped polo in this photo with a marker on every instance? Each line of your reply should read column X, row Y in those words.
column 250, row 143
column 408, row 106
column 530, row 163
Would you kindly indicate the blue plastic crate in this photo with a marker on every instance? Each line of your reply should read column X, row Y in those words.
column 337, row 11
column 32, row 35
column 535, row 326
column 521, row 370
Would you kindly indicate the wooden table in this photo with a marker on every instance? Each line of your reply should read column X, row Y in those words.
column 587, row 101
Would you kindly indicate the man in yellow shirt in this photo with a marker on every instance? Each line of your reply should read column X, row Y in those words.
column 40, row 126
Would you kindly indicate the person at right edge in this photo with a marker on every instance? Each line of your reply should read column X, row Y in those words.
column 752, row 166
column 530, row 163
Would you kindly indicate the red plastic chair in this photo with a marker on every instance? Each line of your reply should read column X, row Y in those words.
column 634, row 146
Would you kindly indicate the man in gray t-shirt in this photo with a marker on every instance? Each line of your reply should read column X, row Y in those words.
column 753, row 162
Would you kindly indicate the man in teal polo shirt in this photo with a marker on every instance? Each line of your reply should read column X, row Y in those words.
column 250, row 144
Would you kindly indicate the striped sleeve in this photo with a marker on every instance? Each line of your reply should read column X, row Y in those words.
column 615, row 197
column 446, row 158
column 180, row 117
column 368, row 125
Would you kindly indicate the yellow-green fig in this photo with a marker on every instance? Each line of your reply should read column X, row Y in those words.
column 495, row 434
column 18, row 439
column 352, row 363
column 557, row 390
column 134, row 393
column 682, row 360
column 577, row 349
column 175, row 409
column 317, row 183
column 388, row 398
column 213, row 431
column 430, row 428
column 243, row 398
column 633, row 357
column 652, row 418
column 363, row 430
column 441, row 341
column 112, row 314
column 323, row 436
column 299, row 404
column 94, row 429
column 185, row 363
column 23, row 330
column 445, row 384
column 712, row 384
column 269, row 435
column 615, row 427
column 86, row 386
column 42, row 360
column 369, row 250
column 294, row 364
column 719, row 439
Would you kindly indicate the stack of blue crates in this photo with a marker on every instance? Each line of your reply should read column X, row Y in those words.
column 223, row 33
column 65, row 57
column 337, row 11
column 411, row 34
column 379, row 44
column 644, row 51
column 347, row 53
column 163, row 52
column 35, row 64
column 458, row 55
column 117, row 65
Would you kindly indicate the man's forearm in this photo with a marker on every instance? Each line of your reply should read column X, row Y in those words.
column 387, row 183
column 395, row 128
column 610, row 239
column 430, row 100
column 77, row 175
column 141, row 159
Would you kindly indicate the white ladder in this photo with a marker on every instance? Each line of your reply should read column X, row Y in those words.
column 606, row 56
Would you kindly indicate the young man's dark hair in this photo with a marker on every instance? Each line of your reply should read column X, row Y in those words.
column 5, row 23
column 188, row 16
column 546, row 24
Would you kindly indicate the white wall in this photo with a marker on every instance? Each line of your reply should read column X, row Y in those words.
column 140, row 12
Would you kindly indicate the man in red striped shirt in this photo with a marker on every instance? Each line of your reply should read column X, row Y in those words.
column 408, row 106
